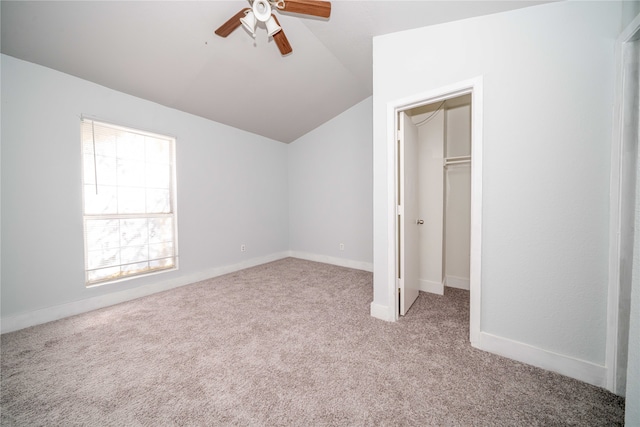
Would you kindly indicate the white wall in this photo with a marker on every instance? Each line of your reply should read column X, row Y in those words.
column 632, row 409
column 548, row 74
column 330, row 190
column 232, row 189
column 627, row 182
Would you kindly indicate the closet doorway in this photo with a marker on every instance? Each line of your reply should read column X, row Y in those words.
column 404, row 218
column 434, row 175
column 437, row 173
column 444, row 196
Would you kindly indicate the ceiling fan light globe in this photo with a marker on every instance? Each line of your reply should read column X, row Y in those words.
column 249, row 23
column 272, row 26
column 261, row 10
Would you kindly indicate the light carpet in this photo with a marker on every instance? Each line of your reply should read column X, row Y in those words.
column 289, row 343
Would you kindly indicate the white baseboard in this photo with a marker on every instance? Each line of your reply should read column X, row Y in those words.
column 457, row 282
column 342, row 262
column 431, row 286
column 49, row 314
column 582, row 370
column 380, row 312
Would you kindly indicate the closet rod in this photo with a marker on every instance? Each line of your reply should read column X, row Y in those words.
column 446, row 159
column 457, row 162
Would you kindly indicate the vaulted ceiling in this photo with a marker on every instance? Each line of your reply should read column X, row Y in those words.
column 166, row 52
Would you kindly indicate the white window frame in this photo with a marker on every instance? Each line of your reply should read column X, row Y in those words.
column 172, row 214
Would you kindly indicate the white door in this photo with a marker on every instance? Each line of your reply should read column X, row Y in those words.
column 431, row 200
column 408, row 212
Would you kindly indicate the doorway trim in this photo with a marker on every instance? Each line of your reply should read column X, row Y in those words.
column 474, row 87
column 629, row 34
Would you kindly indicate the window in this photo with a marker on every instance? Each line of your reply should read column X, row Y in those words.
column 129, row 200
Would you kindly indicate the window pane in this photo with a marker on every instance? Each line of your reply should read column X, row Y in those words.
column 130, row 173
column 158, row 175
column 87, row 142
column 131, row 200
column 89, row 168
column 104, row 202
column 158, row 151
column 105, row 145
column 160, row 250
column 102, row 234
column 107, row 174
column 158, row 201
column 103, row 258
column 134, row 232
column 134, row 254
column 105, row 166
column 130, row 146
column 160, row 230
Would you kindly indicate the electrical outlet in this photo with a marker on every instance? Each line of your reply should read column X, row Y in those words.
column 243, row 248
column 342, row 246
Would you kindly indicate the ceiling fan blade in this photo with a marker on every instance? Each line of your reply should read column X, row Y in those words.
column 308, row 7
column 281, row 40
column 233, row 23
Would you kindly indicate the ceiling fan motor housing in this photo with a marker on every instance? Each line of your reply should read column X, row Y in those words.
column 262, row 10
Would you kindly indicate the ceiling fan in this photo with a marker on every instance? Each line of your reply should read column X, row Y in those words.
column 260, row 11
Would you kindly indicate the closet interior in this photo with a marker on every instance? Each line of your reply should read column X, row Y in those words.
column 444, row 193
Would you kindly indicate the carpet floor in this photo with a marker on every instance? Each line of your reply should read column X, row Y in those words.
column 289, row 343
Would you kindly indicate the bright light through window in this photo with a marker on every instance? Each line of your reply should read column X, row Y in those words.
column 129, row 202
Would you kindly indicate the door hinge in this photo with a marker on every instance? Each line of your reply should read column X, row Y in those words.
column 399, row 210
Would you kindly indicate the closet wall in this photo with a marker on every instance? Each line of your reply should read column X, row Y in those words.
column 444, row 131
column 457, row 231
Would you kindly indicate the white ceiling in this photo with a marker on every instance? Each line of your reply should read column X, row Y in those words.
column 166, row 52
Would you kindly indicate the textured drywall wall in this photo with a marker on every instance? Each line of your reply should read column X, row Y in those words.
column 330, row 188
column 548, row 75
column 231, row 187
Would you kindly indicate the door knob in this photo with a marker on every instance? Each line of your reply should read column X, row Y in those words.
column 419, row 222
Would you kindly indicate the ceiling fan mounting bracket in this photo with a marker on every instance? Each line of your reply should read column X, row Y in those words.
column 277, row 4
